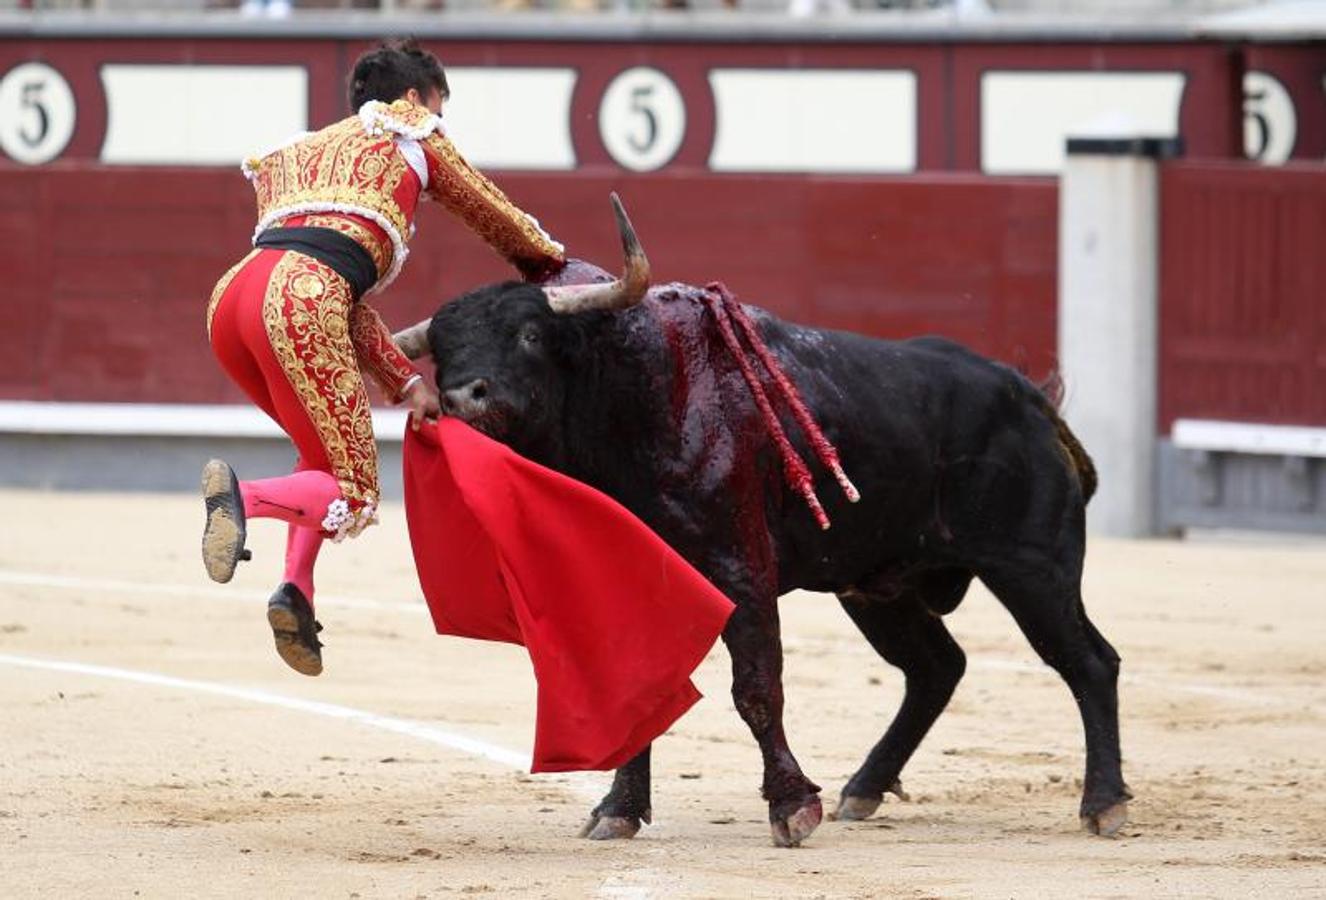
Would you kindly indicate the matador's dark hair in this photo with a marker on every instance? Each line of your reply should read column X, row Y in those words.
column 392, row 68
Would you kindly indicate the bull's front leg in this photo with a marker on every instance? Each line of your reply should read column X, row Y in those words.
column 753, row 639
column 619, row 814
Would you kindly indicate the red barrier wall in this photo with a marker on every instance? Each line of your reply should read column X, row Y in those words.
column 107, row 271
column 1242, row 314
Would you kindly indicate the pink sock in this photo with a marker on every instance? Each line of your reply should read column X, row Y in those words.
column 301, row 552
column 300, row 499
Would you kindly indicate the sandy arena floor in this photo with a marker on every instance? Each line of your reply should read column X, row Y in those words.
column 177, row 756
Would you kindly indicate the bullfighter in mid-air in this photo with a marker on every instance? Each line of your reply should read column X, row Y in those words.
column 289, row 325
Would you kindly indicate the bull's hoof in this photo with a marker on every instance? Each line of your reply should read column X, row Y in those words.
column 856, row 809
column 790, row 831
column 610, row 828
column 1108, row 821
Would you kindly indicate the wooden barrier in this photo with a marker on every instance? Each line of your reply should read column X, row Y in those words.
column 1242, row 285
column 108, row 269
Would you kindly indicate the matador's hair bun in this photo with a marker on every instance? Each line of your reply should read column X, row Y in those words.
column 393, row 67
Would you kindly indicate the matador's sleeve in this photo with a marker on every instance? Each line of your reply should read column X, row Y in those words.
column 377, row 353
column 464, row 190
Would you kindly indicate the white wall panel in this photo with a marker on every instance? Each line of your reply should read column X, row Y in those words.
column 826, row 120
column 511, row 118
column 200, row 115
column 1026, row 117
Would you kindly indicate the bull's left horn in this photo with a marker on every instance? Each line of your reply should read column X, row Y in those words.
column 413, row 341
column 624, row 292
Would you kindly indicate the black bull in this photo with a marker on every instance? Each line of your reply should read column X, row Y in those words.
column 965, row 471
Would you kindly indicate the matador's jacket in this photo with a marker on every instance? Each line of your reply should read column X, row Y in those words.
column 336, row 211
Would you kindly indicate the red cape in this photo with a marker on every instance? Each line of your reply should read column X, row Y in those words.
column 614, row 620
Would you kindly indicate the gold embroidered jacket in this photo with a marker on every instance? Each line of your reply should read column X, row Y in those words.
column 364, row 177
column 375, row 167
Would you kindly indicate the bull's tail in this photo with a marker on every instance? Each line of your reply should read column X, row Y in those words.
column 1049, row 395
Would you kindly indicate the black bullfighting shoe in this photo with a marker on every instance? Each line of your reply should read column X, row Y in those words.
column 224, row 533
column 295, row 629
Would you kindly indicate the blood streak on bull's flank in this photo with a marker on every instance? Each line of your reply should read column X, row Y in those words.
column 686, row 390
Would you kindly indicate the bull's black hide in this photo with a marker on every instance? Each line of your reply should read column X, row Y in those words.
column 964, row 467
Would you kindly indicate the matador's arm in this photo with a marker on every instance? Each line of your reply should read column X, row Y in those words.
column 377, row 353
column 479, row 203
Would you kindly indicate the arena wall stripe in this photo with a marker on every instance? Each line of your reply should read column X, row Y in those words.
column 162, row 419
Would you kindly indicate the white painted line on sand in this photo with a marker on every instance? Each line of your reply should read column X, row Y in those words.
column 144, row 588
column 632, row 884
column 412, row 728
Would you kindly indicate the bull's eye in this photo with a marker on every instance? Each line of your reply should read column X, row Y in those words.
column 529, row 337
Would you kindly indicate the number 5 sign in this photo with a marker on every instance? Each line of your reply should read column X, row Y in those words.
column 37, row 113
column 642, row 119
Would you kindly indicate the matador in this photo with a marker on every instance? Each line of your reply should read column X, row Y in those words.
column 290, row 323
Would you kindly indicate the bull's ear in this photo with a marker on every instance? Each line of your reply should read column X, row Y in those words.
column 413, row 341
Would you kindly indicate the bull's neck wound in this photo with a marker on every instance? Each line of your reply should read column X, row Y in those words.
column 734, row 325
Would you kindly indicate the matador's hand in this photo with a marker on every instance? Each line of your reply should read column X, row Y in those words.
column 423, row 402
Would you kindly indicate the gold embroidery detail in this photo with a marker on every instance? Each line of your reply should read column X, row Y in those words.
column 378, row 354
column 465, row 191
column 340, row 165
column 220, row 290
column 404, row 115
column 310, row 335
column 307, row 286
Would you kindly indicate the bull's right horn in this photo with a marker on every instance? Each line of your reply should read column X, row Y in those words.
column 620, row 294
column 413, row 341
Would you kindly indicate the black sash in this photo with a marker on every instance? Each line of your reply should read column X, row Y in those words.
column 342, row 254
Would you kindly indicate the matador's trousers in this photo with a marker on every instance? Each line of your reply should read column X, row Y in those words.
column 280, row 325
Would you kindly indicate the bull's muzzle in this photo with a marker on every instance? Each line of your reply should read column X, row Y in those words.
column 469, row 401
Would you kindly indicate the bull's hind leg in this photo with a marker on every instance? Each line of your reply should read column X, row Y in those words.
column 1048, row 608
column 753, row 640
column 908, row 634
column 620, row 813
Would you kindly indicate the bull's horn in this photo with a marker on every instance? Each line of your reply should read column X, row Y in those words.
column 413, row 341
column 620, row 294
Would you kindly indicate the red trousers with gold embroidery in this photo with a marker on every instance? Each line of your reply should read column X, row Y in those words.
column 280, row 324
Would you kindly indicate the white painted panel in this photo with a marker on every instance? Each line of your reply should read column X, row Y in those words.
column 1245, row 437
column 826, row 120
column 511, row 118
column 161, row 419
column 200, row 115
column 1027, row 116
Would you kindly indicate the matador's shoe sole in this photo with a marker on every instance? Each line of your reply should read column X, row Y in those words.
column 295, row 630
column 224, row 533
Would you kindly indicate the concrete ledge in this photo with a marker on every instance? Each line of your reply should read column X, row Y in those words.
column 1213, row 482
column 1246, row 437
column 156, row 447
column 161, row 420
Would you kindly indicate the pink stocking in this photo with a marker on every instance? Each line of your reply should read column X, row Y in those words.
column 301, row 552
column 301, row 498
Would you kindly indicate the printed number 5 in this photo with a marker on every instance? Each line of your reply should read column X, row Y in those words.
column 31, row 102
column 642, row 119
column 640, row 97
column 1270, row 123
column 37, row 113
